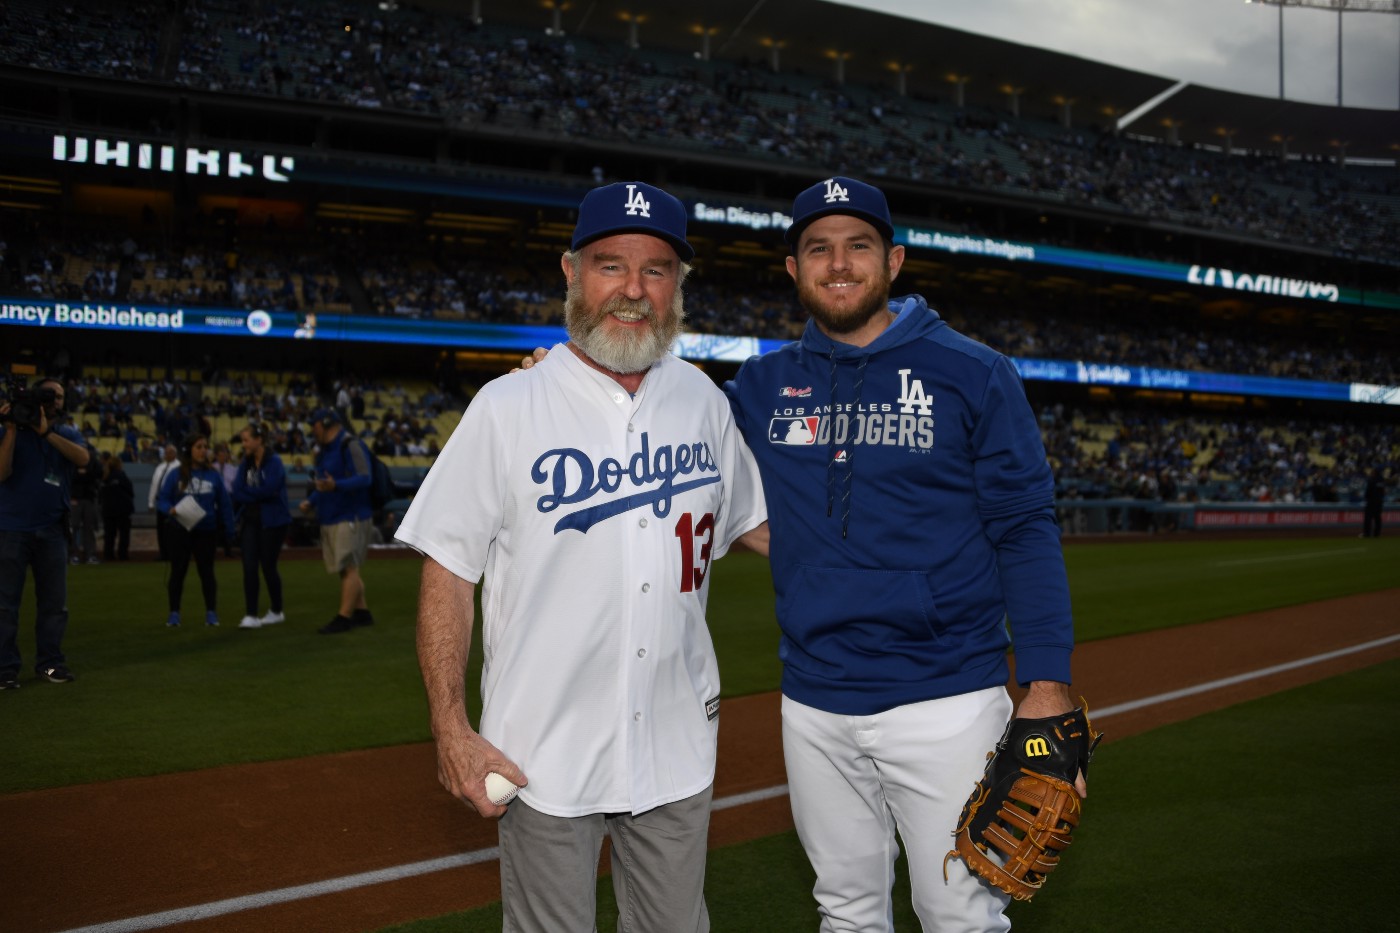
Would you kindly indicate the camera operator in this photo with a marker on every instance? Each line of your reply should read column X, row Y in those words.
column 38, row 454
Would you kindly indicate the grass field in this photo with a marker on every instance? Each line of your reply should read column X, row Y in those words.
column 151, row 700
column 1251, row 819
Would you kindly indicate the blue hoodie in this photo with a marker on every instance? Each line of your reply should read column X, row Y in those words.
column 264, row 489
column 207, row 487
column 902, row 543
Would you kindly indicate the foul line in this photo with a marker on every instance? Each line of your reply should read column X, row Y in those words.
column 1242, row 678
column 1281, row 557
column 398, row 873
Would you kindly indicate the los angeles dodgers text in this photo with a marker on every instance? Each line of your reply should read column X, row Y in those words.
column 572, row 477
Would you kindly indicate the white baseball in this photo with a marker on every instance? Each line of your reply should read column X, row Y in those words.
column 499, row 790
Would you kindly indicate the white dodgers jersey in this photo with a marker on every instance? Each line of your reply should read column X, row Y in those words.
column 592, row 518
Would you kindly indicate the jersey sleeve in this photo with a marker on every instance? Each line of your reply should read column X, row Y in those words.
column 460, row 507
column 744, row 505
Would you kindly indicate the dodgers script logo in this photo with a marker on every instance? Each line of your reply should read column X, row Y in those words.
column 835, row 192
column 636, row 204
column 572, row 478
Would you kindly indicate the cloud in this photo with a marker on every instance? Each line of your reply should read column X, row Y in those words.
column 1219, row 43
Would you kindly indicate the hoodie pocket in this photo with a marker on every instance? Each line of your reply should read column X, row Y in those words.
column 832, row 613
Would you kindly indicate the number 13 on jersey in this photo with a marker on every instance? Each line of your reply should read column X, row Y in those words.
column 695, row 557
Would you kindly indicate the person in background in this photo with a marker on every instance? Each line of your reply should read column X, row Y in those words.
column 83, row 510
column 169, row 462
column 1375, row 505
column 195, row 478
column 342, row 505
column 223, row 463
column 118, row 501
column 36, row 467
column 260, row 489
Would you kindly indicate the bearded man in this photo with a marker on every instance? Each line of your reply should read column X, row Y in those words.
column 912, row 517
column 590, row 496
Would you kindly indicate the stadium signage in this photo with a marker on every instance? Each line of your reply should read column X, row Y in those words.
column 958, row 243
column 737, row 216
column 1263, row 284
column 117, row 153
column 85, row 315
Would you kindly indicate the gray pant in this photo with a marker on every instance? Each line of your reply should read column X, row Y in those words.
column 549, row 868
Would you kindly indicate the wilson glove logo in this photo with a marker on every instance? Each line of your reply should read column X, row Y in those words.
column 1036, row 747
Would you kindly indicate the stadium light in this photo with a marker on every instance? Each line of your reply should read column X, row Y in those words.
column 840, row 58
column 774, row 46
column 633, row 21
column 961, row 82
column 705, row 33
column 901, row 71
column 557, row 7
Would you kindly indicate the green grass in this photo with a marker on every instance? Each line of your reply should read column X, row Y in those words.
column 1252, row 818
column 150, row 700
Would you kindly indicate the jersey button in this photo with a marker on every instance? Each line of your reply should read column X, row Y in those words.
column 636, row 717
column 631, row 427
column 618, row 398
column 646, row 587
column 642, row 523
column 641, row 652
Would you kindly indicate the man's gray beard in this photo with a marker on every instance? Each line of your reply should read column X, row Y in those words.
column 624, row 354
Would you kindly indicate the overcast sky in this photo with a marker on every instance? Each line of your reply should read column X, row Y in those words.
column 1219, row 43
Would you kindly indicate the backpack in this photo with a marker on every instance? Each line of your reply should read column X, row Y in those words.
column 381, row 481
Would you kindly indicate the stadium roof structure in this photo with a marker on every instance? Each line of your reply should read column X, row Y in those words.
column 821, row 39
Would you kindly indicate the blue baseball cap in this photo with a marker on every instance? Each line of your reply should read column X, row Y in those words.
column 840, row 195
column 325, row 416
column 632, row 207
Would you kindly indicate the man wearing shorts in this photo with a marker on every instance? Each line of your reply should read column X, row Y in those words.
column 342, row 504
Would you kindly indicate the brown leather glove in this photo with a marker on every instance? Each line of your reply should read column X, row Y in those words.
column 1023, row 813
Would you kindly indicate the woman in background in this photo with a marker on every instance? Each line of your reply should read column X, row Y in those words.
column 195, row 479
column 118, row 502
column 260, row 489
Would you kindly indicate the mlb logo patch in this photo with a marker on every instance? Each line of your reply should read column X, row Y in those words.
column 790, row 392
column 797, row 432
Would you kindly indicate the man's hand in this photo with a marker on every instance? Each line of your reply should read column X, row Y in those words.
column 464, row 760
column 528, row 362
column 1050, row 698
column 325, row 483
column 304, row 506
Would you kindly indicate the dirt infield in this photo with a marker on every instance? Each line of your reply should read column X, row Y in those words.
column 105, row 852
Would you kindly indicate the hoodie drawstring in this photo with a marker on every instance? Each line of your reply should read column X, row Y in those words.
column 849, row 478
column 831, row 433
column 851, row 454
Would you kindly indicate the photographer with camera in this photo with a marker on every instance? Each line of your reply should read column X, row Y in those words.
column 38, row 454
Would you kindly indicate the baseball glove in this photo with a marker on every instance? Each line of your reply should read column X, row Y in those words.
column 1023, row 813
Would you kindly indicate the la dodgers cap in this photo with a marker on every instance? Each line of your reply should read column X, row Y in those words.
column 632, row 207
column 840, row 195
column 325, row 416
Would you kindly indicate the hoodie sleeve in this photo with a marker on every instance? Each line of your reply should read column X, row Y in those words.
column 1015, row 498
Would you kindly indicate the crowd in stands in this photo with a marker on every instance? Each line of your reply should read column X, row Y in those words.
column 497, row 75
column 1126, row 454
column 145, row 415
column 456, row 286
column 1100, row 453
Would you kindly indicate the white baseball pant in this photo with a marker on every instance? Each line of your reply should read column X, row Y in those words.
column 856, row 780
